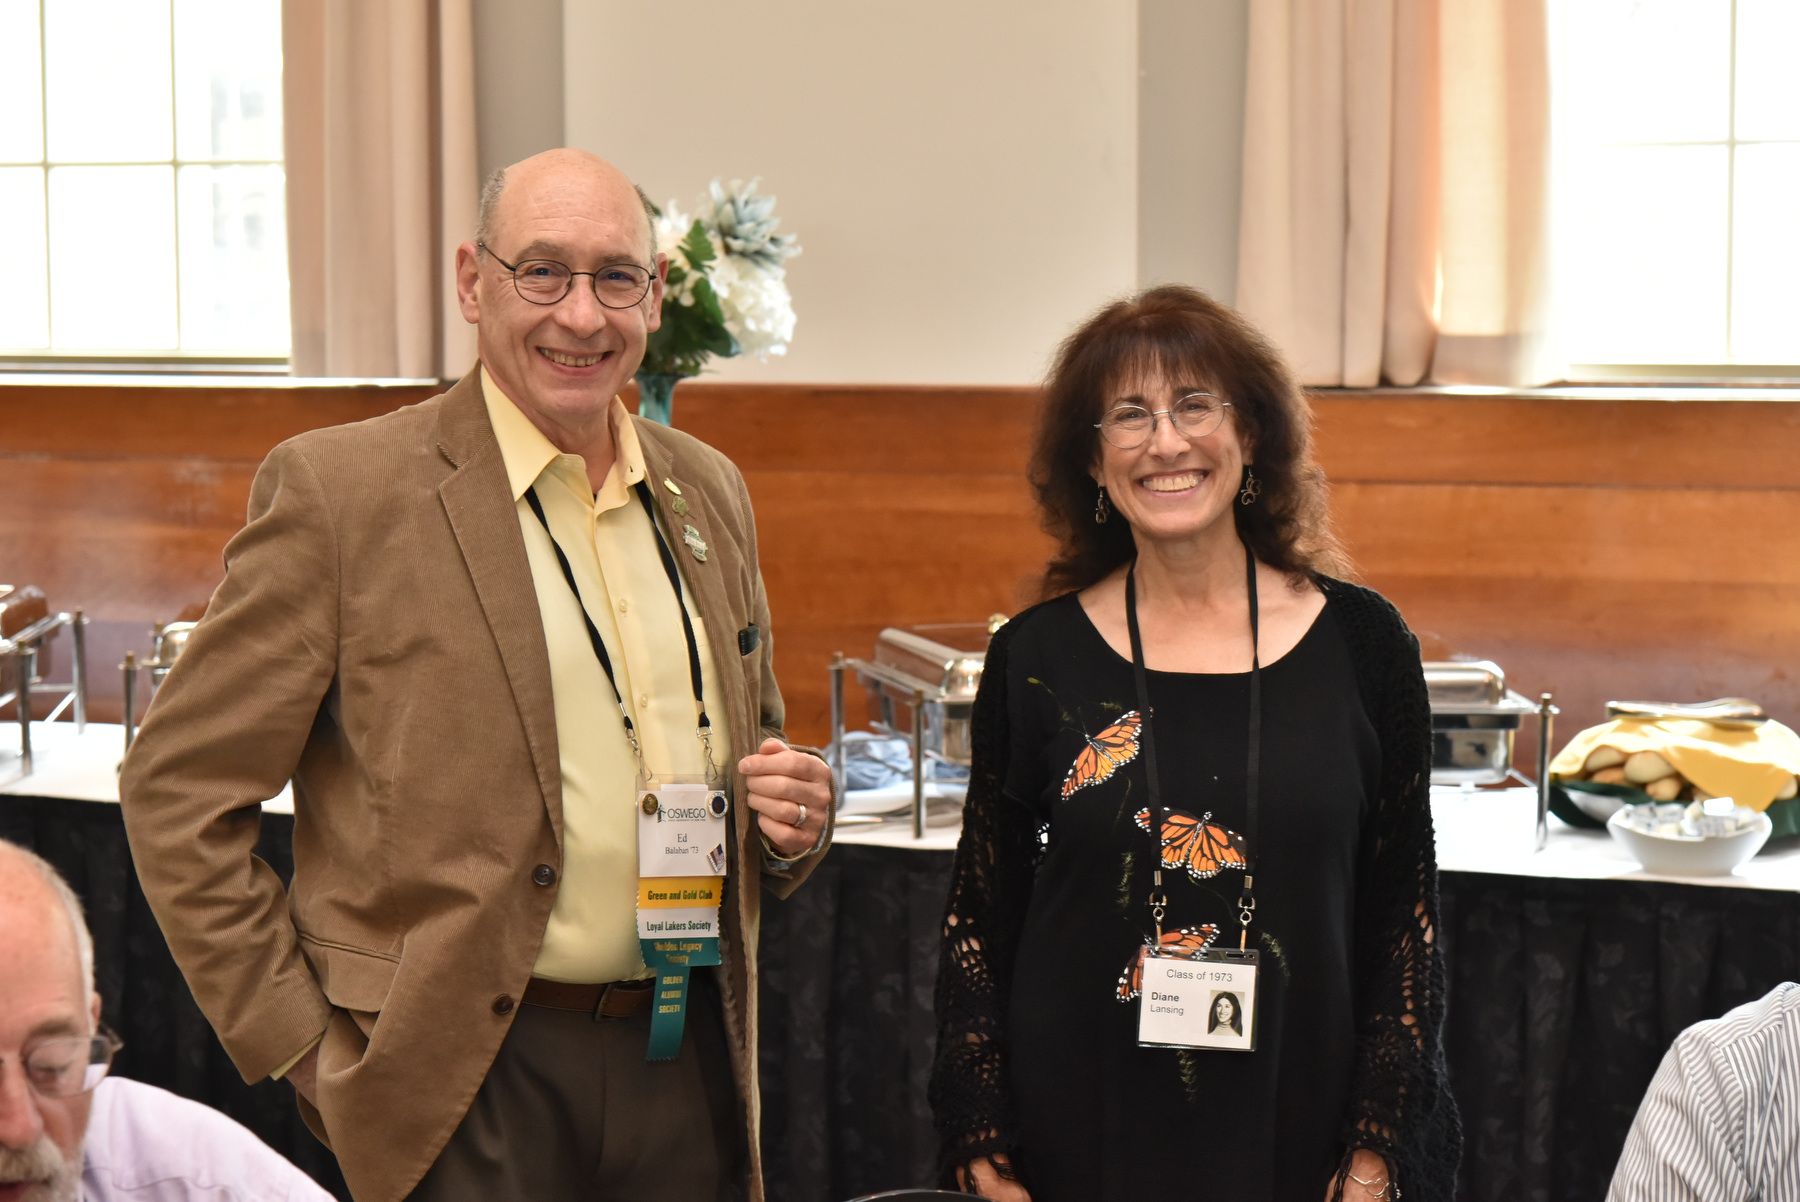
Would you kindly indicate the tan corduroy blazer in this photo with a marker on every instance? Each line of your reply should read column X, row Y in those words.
column 377, row 639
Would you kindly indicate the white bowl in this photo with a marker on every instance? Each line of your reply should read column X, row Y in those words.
column 1673, row 855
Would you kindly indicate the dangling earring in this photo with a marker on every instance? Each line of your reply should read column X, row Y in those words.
column 1101, row 510
column 1252, row 488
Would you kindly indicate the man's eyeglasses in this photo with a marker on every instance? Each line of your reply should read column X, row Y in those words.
column 69, row 1065
column 545, row 281
column 1195, row 415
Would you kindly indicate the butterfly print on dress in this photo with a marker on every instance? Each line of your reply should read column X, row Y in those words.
column 1186, row 944
column 1199, row 845
column 1104, row 754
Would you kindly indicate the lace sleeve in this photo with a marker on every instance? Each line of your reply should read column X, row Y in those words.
column 1400, row 1101
column 990, row 888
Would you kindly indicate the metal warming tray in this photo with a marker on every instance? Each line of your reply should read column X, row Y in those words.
column 921, row 684
column 1474, row 720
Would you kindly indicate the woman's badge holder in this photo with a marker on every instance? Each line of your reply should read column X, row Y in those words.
column 1206, row 1001
column 681, row 885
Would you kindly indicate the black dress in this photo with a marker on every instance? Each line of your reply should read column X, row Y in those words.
column 1038, row 1051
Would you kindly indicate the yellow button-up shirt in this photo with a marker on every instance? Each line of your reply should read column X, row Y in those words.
column 611, row 547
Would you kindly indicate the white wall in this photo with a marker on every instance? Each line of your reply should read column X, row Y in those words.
column 962, row 173
column 1191, row 65
column 518, row 80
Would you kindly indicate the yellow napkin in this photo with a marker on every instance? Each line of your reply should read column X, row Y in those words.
column 1747, row 763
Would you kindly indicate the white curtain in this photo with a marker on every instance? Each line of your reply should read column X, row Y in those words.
column 1395, row 221
column 381, row 184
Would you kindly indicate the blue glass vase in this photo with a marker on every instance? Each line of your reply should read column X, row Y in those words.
column 656, row 395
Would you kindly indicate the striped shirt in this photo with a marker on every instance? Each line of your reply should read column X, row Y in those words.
column 1722, row 1119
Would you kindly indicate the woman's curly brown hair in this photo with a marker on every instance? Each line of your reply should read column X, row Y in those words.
column 1181, row 334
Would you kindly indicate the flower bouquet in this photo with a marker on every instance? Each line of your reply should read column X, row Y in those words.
column 727, row 292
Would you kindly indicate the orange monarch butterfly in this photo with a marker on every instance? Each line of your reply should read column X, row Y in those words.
column 1187, row 943
column 1104, row 754
column 1204, row 848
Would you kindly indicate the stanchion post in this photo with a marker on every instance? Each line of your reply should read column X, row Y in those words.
column 918, row 764
column 1546, row 713
column 130, row 668
column 78, row 630
column 27, row 674
column 837, row 720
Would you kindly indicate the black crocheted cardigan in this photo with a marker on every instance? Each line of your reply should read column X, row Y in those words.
column 1400, row 1104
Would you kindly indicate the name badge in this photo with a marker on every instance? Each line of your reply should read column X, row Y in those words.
column 1205, row 1002
column 681, row 831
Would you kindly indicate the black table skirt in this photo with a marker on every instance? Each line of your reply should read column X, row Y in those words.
column 1564, row 996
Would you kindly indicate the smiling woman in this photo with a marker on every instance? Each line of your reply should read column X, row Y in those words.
column 1200, row 732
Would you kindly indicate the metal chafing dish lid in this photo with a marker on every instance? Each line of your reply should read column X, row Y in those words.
column 944, row 656
column 1472, row 687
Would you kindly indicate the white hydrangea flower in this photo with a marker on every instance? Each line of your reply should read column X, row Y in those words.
column 758, row 310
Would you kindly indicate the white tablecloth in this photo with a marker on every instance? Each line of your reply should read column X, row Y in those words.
column 1478, row 830
column 78, row 767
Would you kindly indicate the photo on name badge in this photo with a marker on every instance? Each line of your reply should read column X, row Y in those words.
column 1225, row 1009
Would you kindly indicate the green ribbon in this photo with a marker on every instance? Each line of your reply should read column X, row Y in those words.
column 673, row 959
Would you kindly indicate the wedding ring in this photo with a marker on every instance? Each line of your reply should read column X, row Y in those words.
column 801, row 821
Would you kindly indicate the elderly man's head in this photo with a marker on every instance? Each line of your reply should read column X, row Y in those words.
column 46, row 996
column 561, row 356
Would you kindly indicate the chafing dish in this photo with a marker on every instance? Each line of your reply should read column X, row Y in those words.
column 167, row 641
column 1474, row 721
column 921, row 684
column 26, row 628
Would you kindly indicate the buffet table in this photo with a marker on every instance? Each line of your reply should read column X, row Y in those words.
column 1571, row 970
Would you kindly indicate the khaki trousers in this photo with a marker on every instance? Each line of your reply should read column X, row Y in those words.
column 572, row 1110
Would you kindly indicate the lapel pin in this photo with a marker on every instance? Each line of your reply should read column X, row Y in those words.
column 695, row 543
column 671, row 486
column 680, row 506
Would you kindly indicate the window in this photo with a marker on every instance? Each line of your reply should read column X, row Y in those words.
column 142, row 201
column 1678, row 248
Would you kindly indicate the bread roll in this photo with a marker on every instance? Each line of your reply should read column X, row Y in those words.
column 1603, row 757
column 1609, row 776
column 1667, row 788
column 1645, row 766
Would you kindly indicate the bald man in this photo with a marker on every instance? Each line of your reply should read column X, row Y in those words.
column 484, row 635
column 69, row 1131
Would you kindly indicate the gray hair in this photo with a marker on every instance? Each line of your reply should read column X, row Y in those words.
column 496, row 184
column 84, row 942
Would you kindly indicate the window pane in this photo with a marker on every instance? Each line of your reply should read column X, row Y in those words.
column 21, row 88
column 112, row 258
column 228, row 79
column 1765, row 279
column 108, row 80
column 1768, row 87
column 24, row 301
column 1647, row 70
column 234, row 285
column 1642, row 255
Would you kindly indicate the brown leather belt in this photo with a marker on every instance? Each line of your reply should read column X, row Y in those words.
column 615, row 999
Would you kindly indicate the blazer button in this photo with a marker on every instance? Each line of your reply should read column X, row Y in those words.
column 503, row 1004
column 543, row 874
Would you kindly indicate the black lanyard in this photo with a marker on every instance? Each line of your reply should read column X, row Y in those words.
column 687, row 624
column 1159, row 813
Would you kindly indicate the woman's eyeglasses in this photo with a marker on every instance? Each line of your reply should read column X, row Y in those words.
column 1195, row 415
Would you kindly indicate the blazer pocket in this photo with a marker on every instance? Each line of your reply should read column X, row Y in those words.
column 352, row 979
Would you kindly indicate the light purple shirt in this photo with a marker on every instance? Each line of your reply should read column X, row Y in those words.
column 145, row 1144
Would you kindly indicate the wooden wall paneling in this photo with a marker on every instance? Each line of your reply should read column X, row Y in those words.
column 118, row 500
column 1597, row 548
